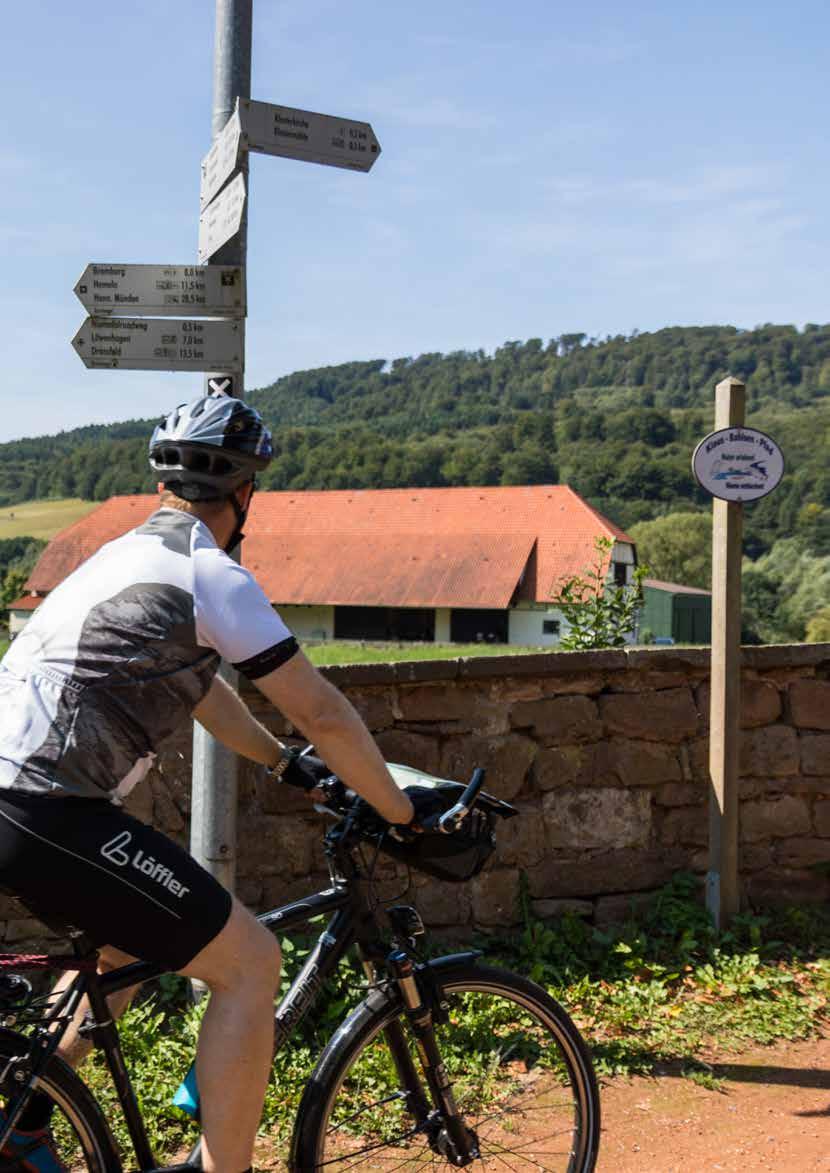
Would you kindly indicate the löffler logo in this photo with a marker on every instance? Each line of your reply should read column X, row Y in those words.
column 116, row 852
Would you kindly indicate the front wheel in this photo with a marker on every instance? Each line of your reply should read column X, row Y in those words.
column 521, row 1076
column 78, row 1137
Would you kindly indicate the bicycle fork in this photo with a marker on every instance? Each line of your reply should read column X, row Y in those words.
column 457, row 1143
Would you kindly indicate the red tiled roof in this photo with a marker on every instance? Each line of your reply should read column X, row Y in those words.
column 394, row 547
column 26, row 603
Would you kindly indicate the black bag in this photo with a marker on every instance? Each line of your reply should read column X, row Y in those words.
column 456, row 857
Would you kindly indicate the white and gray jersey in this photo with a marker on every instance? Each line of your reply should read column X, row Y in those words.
column 118, row 656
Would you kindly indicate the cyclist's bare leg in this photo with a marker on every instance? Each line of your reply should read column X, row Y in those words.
column 73, row 1047
column 241, row 968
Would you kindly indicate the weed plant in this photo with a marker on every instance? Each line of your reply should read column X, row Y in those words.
column 662, row 988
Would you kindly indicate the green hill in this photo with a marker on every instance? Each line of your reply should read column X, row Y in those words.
column 616, row 418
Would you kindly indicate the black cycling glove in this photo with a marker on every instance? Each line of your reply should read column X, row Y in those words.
column 303, row 770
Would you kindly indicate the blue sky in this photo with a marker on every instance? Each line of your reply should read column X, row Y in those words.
column 546, row 168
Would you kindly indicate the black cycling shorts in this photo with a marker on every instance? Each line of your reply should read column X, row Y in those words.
column 87, row 864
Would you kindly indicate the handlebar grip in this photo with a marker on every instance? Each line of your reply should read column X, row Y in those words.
column 452, row 819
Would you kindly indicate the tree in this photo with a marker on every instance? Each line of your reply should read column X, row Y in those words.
column 598, row 613
column 677, row 547
column 818, row 628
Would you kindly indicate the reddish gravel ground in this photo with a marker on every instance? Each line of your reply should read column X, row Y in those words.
column 771, row 1113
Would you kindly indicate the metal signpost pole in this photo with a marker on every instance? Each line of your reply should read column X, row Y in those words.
column 722, row 886
column 214, row 803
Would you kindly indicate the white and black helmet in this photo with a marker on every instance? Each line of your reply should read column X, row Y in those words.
column 206, row 449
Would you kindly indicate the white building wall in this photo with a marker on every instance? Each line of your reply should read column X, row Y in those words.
column 442, row 625
column 526, row 625
column 17, row 621
column 312, row 622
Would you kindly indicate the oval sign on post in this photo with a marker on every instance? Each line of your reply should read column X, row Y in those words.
column 738, row 464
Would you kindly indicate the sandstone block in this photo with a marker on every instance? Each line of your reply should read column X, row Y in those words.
column 667, row 715
column 821, row 817
column 521, row 841
column 760, row 702
column 687, row 825
column 280, row 890
column 374, row 706
column 442, row 904
column 599, row 817
column 680, row 794
column 810, row 703
column 409, row 749
column 548, row 909
column 815, row 754
column 629, row 870
column 565, row 765
column 699, row 759
column 803, row 853
column 754, row 856
column 496, row 898
column 566, row 719
column 436, row 702
column 771, row 751
column 782, row 886
column 506, row 760
column 774, row 818
column 275, row 844
column 636, row 763
column 622, row 907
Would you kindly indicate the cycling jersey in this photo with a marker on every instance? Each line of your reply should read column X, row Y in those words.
column 119, row 655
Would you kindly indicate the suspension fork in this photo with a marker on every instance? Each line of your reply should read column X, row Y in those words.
column 416, row 1100
column 463, row 1142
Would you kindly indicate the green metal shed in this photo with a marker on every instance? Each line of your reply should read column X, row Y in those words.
column 681, row 613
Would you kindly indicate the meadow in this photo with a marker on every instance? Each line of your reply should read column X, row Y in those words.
column 42, row 519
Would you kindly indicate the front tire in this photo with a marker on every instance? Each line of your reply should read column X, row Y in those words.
column 521, row 1075
column 82, row 1138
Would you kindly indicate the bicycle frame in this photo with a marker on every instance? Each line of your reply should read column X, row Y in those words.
column 350, row 918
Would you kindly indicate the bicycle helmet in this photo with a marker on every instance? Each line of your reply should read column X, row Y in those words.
column 205, row 449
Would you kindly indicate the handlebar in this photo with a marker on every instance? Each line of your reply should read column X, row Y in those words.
column 452, row 819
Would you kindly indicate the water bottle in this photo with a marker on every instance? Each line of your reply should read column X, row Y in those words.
column 187, row 1094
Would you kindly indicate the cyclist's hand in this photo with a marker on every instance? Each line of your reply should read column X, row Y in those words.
column 428, row 805
column 306, row 772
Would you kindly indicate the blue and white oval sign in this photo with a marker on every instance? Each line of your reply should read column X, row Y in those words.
column 738, row 464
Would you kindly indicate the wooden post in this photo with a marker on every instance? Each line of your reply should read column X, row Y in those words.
column 722, row 884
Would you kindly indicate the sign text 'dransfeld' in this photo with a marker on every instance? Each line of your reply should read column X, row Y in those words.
column 159, row 344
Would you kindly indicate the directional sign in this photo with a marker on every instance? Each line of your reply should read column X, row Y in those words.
column 214, row 291
column 158, row 344
column 222, row 219
column 314, row 138
column 220, row 162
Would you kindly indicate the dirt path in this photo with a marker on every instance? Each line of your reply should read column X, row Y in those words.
column 772, row 1112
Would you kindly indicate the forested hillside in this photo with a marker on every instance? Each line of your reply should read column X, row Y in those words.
column 615, row 418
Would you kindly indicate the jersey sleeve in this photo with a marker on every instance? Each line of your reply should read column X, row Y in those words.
column 235, row 618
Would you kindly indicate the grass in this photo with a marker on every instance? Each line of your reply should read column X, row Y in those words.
column 42, row 519
column 365, row 652
column 664, row 989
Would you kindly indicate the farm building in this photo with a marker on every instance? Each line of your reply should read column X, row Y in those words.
column 450, row 565
column 680, row 613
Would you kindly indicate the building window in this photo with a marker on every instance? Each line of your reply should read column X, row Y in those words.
column 620, row 574
column 550, row 627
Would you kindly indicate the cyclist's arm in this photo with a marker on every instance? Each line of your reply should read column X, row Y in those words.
column 341, row 739
column 224, row 714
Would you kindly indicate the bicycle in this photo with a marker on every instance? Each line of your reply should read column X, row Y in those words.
column 447, row 1062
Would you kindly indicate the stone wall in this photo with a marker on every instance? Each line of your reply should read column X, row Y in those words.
column 604, row 753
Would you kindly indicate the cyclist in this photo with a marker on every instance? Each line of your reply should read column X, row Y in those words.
column 113, row 661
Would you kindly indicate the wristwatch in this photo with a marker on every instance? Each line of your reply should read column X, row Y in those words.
column 287, row 756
